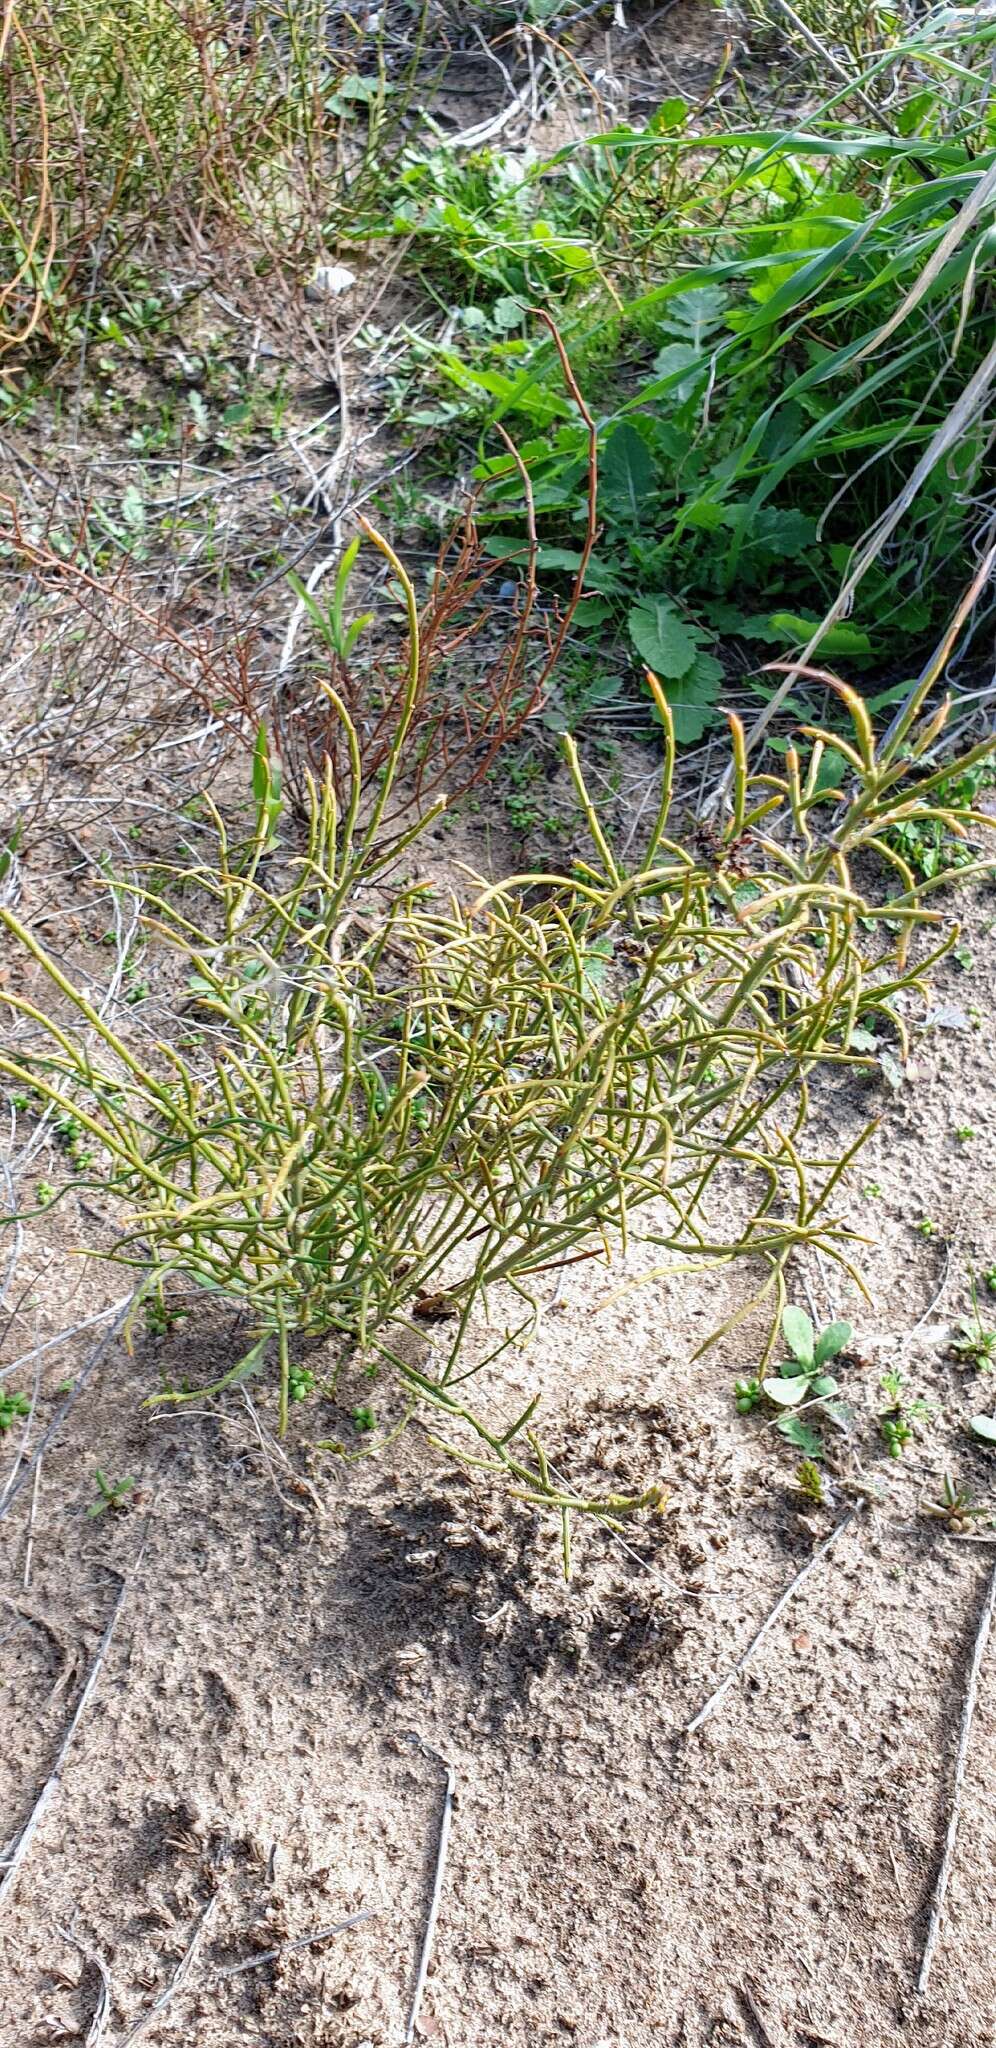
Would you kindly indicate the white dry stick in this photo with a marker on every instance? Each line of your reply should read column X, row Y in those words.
column 715, row 1698
column 53, row 1781
column 97, row 2029
column 961, row 1762
column 30, row 1542
column 437, row 1891
column 180, row 1974
column 179, row 1982
column 287, row 1948
column 63, row 1336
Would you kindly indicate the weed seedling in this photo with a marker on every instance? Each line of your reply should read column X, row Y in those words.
column 955, row 1507
column 159, row 1318
column 802, row 1377
column 809, row 1481
column 926, row 1227
column 364, row 1420
column 300, row 1382
column 972, row 1342
column 748, row 1395
column 11, row 1406
column 111, row 1493
column 898, row 1420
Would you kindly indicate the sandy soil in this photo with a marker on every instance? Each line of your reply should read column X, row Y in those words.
column 260, row 1757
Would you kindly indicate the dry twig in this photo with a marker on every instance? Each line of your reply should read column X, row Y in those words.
column 437, row 1890
column 180, row 1974
column 97, row 2030
column 715, row 1698
column 53, row 1781
column 961, row 1762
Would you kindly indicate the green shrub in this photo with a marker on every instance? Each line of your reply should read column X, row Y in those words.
column 402, row 1113
column 112, row 109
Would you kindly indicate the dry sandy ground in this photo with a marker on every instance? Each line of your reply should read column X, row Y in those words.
column 260, row 1757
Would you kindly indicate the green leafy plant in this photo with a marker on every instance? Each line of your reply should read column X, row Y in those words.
column 11, row 1406
column 954, row 1507
column 426, row 1106
column 898, row 1422
column 972, row 1341
column 802, row 1376
column 301, row 1382
column 793, row 427
column 748, row 1395
column 111, row 1493
column 809, row 1481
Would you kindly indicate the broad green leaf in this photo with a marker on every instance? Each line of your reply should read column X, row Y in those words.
column 666, row 643
column 823, row 1385
column 832, row 1340
column 681, row 355
column 797, row 1331
column 984, row 1426
column 842, row 638
column 670, row 114
column 695, row 314
column 785, row 1393
column 133, row 509
column 627, row 470
column 862, row 1040
column 799, row 1433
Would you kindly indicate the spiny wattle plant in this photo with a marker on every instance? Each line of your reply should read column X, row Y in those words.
column 401, row 1112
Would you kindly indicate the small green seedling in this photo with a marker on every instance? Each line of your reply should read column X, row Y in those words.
column 926, row 1227
column 964, row 1133
column 989, row 1276
column 748, row 1395
column 898, row 1420
column 45, row 1194
column 364, row 1420
column 111, row 1493
column 11, row 1406
column 809, row 1480
column 873, row 1189
column 972, row 1341
column 159, row 1317
column 955, row 1507
column 802, row 1377
column 300, row 1382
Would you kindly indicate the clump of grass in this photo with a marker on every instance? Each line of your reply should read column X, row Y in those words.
column 402, row 1113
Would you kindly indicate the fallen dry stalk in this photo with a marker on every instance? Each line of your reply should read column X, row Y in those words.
column 54, row 1779
column 788, row 1593
column 961, row 1764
